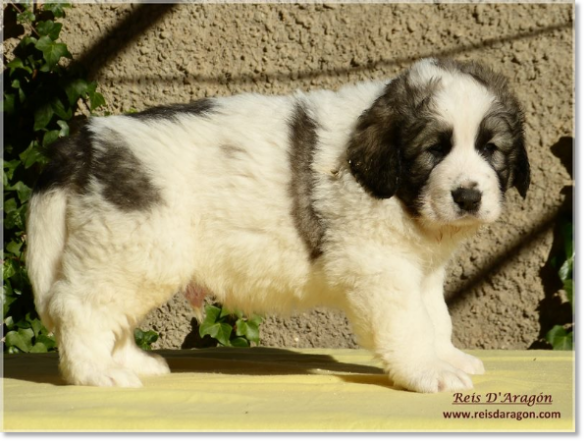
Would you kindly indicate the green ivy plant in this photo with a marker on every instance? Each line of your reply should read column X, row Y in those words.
column 230, row 328
column 144, row 339
column 561, row 337
column 42, row 93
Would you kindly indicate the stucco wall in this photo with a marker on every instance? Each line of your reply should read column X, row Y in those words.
column 143, row 55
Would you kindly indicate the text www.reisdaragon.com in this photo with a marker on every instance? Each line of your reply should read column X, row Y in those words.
column 502, row 415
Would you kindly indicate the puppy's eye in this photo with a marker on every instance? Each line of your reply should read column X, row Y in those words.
column 439, row 149
column 489, row 149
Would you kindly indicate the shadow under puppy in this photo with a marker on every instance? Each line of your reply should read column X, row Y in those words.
column 354, row 199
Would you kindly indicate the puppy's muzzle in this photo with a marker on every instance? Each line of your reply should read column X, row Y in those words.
column 467, row 199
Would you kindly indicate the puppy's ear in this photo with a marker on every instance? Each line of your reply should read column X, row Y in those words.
column 521, row 171
column 373, row 156
column 374, row 150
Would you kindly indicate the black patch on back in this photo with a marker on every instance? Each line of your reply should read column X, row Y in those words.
column 78, row 159
column 303, row 136
column 125, row 182
column 69, row 163
column 200, row 107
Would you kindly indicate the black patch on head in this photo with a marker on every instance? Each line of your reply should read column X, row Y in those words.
column 398, row 141
column 199, row 107
column 77, row 160
column 303, row 137
column 504, row 121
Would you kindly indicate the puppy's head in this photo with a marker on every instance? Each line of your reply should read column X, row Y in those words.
column 446, row 138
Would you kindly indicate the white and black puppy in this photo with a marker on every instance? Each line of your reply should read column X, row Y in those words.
column 354, row 199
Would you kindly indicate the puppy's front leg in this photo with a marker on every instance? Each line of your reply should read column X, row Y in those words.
column 389, row 316
column 433, row 297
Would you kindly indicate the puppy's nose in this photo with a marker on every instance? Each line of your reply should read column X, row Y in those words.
column 468, row 199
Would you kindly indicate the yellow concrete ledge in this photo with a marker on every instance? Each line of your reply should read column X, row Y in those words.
column 264, row 389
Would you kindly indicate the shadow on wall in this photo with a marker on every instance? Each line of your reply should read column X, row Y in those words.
column 143, row 17
column 553, row 310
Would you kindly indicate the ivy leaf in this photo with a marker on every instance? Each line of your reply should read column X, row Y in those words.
column 8, row 103
column 225, row 312
column 37, row 326
column 223, row 334
column 49, row 342
column 49, row 28
column 22, row 190
column 60, row 109
column 240, row 342
column 52, row 52
column 8, row 269
column 26, row 16
column 39, row 347
column 49, row 138
column 21, row 339
column 96, row 99
column 32, row 155
column 212, row 314
column 10, row 167
column 10, row 206
column 56, row 8
column 17, row 63
column 144, row 339
column 14, row 247
column 15, row 219
column 569, row 288
column 250, row 331
column 43, row 115
column 560, row 338
column 76, row 88
column 64, row 131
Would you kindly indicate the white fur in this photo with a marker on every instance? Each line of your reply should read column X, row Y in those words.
column 225, row 224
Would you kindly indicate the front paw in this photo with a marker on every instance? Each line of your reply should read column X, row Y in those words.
column 465, row 362
column 431, row 376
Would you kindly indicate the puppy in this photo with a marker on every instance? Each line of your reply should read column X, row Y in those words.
column 354, row 199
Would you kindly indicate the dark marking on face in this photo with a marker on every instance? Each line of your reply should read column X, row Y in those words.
column 505, row 121
column 402, row 138
column 303, row 139
column 398, row 141
column 201, row 107
column 85, row 157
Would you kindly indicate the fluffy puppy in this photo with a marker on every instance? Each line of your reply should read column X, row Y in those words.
column 354, row 199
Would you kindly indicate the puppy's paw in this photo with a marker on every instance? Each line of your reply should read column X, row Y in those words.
column 431, row 376
column 103, row 377
column 465, row 362
column 141, row 362
column 152, row 364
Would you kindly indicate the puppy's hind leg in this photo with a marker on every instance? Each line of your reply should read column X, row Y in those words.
column 88, row 320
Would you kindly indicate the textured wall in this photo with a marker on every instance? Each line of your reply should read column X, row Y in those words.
column 144, row 55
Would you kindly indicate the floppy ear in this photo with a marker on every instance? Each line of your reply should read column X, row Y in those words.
column 521, row 171
column 373, row 156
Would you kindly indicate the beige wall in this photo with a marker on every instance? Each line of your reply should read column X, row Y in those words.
column 154, row 54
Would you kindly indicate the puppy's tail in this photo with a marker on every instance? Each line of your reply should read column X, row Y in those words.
column 46, row 231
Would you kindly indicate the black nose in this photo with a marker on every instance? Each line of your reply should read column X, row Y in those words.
column 467, row 199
